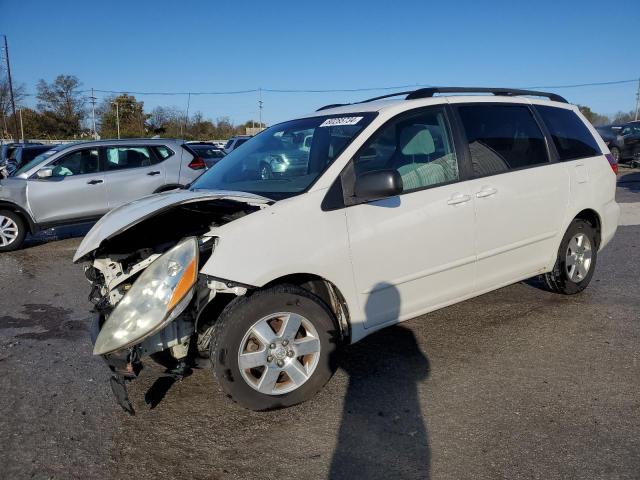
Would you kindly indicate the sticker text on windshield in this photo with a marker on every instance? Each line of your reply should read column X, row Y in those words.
column 334, row 122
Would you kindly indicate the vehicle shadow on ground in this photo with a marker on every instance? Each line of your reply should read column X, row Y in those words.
column 630, row 181
column 382, row 433
column 55, row 234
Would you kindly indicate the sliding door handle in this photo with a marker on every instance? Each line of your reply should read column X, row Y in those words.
column 94, row 182
column 486, row 192
column 458, row 198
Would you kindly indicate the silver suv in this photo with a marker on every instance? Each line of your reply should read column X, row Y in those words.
column 80, row 182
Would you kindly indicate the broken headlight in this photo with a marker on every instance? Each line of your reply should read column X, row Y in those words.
column 158, row 296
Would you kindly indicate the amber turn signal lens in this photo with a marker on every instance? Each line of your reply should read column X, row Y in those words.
column 185, row 283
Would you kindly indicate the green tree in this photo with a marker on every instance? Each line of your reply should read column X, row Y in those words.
column 62, row 106
column 593, row 117
column 126, row 110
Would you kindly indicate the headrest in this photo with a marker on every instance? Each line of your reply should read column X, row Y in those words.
column 416, row 140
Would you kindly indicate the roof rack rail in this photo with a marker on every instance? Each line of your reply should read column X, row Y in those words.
column 429, row 92
column 332, row 105
column 509, row 92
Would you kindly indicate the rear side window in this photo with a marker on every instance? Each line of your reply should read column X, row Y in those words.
column 118, row 158
column 162, row 152
column 570, row 135
column 502, row 138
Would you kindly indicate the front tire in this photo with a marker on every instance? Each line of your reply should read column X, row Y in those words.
column 274, row 348
column 576, row 259
column 12, row 231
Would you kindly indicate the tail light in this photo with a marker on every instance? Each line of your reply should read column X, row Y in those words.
column 612, row 161
column 197, row 163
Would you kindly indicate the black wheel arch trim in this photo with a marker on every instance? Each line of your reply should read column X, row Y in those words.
column 31, row 224
column 169, row 186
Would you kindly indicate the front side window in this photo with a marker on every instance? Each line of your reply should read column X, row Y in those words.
column 419, row 147
column 282, row 161
column 80, row 162
column 502, row 138
column 570, row 135
column 119, row 158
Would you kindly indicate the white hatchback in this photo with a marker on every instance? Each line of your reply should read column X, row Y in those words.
column 368, row 214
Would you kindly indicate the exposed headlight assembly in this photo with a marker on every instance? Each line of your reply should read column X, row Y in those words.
column 157, row 297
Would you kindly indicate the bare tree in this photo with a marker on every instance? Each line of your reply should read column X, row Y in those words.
column 62, row 105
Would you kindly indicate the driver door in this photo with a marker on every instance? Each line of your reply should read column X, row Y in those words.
column 75, row 191
column 413, row 252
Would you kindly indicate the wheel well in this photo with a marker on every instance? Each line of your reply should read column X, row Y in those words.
column 23, row 215
column 164, row 188
column 593, row 218
column 324, row 289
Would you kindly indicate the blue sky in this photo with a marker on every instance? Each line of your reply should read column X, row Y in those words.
column 220, row 46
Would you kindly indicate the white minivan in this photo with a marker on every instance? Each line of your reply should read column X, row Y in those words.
column 404, row 206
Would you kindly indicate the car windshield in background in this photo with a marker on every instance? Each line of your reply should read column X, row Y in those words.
column 207, row 152
column 284, row 160
column 43, row 156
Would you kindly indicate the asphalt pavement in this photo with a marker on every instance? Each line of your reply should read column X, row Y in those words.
column 517, row 383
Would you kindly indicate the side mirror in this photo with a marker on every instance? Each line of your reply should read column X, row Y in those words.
column 46, row 172
column 378, row 184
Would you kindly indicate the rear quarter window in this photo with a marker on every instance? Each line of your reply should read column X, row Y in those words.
column 570, row 135
column 162, row 152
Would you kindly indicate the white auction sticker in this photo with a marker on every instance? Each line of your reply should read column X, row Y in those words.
column 334, row 122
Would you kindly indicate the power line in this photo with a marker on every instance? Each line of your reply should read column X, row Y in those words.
column 331, row 90
column 594, row 84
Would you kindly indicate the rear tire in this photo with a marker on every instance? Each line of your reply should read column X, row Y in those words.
column 576, row 260
column 615, row 152
column 262, row 359
column 12, row 231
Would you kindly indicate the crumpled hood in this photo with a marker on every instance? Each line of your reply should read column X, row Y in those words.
column 120, row 219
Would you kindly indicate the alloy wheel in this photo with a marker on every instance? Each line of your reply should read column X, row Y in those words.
column 578, row 257
column 8, row 231
column 279, row 353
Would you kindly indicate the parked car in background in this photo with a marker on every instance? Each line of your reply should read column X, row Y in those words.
column 23, row 154
column 405, row 206
column 219, row 143
column 80, row 182
column 207, row 153
column 623, row 140
column 7, row 148
column 235, row 142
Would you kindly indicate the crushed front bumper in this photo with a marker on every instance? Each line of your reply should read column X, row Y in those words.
column 126, row 364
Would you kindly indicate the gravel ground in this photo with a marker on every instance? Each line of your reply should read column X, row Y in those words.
column 518, row 383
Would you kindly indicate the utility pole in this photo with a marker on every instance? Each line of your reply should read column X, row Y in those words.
column 117, row 118
column 93, row 114
column 21, row 128
column 13, row 103
column 638, row 99
column 260, row 107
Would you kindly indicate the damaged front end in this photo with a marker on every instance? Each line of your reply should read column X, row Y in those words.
column 143, row 262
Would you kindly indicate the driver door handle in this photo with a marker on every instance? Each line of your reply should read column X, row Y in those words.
column 94, row 182
column 155, row 172
column 486, row 192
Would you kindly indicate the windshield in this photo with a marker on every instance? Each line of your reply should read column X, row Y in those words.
column 284, row 160
column 43, row 156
